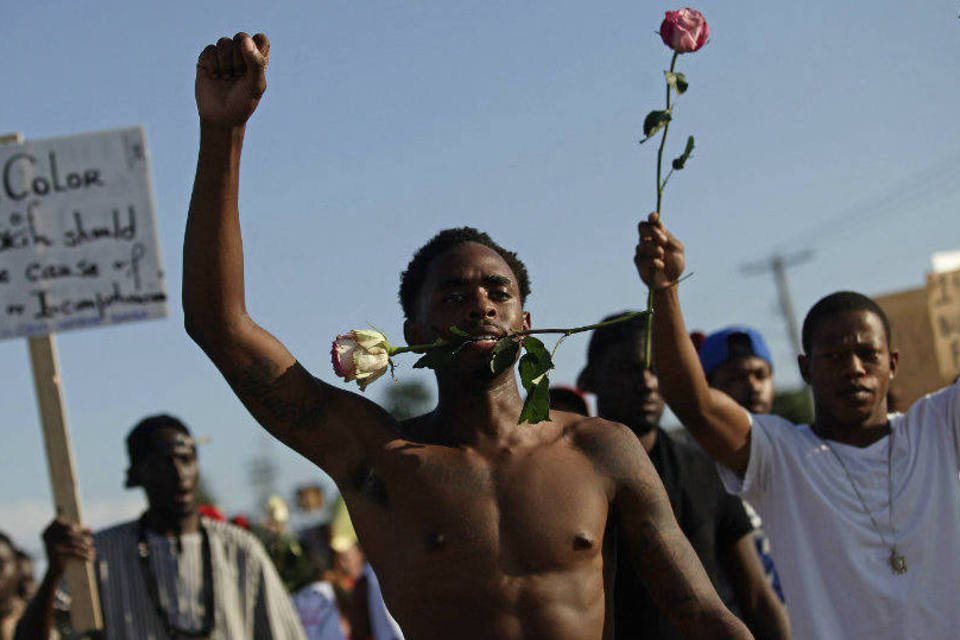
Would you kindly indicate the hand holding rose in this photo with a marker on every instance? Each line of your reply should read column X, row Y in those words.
column 659, row 255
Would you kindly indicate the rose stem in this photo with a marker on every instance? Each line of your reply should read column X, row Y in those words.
column 647, row 347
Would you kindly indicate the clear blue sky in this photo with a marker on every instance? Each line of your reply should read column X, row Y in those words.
column 823, row 125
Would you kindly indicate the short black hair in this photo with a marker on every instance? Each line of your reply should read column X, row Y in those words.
column 140, row 442
column 603, row 338
column 411, row 280
column 836, row 303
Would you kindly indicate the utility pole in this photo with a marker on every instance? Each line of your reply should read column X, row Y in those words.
column 778, row 264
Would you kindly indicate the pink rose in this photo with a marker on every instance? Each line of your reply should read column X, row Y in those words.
column 684, row 31
column 362, row 355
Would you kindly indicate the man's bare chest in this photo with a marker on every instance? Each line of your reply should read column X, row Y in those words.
column 531, row 511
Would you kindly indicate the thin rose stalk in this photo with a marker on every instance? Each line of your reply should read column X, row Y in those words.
column 420, row 348
column 648, row 342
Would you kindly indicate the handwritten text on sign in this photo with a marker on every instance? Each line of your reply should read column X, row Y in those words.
column 78, row 242
column 943, row 296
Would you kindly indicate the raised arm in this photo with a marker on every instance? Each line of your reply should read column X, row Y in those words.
column 720, row 425
column 331, row 427
column 661, row 554
column 63, row 543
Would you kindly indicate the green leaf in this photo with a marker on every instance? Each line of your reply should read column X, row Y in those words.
column 536, row 406
column 680, row 161
column 676, row 80
column 529, row 368
column 535, row 348
column 457, row 331
column 655, row 121
column 534, row 364
column 504, row 354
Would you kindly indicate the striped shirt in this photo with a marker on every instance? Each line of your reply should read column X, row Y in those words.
column 249, row 598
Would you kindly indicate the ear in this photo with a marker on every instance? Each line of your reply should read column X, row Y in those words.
column 585, row 380
column 894, row 361
column 527, row 322
column 803, row 364
column 412, row 333
column 133, row 477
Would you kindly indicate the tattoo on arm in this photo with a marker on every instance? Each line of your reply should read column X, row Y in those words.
column 661, row 554
column 672, row 569
column 284, row 402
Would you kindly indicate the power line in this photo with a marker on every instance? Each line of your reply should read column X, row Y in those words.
column 927, row 186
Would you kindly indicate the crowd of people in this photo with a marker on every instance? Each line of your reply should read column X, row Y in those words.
column 581, row 527
column 183, row 570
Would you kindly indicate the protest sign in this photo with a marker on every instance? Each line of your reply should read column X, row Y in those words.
column 78, row 248
column 917, row 373
column 78, row 242
column 943, row 297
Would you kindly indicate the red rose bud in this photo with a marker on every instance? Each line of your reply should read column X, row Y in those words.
column 362, row 355
column 684, row 31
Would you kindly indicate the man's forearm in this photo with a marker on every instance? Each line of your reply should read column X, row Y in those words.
column 715, row 624
column 213, row 252
column 37, row 620
column 720, row 425
column 675, row 358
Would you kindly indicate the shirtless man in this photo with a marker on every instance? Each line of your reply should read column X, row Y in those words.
column 478, row 528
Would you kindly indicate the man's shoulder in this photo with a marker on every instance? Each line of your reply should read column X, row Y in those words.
column 614, row 450
column 593, row 434
column 778, row 428
column 116, row 532
column 937, row 403
column 231, row 535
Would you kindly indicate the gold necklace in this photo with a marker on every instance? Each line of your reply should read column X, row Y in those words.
column 897, row 561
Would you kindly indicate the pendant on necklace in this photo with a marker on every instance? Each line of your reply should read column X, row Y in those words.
column 898, row 563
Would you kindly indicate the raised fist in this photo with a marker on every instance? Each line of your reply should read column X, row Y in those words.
column 231, row 77
column 659, row 256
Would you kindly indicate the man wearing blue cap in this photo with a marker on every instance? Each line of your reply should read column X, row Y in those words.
column 736, row 361
column 716, row 523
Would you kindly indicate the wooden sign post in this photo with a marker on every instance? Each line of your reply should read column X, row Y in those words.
column 78, row 248
column 85, row 613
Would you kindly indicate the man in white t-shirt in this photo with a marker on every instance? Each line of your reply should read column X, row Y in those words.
column 862, row 507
